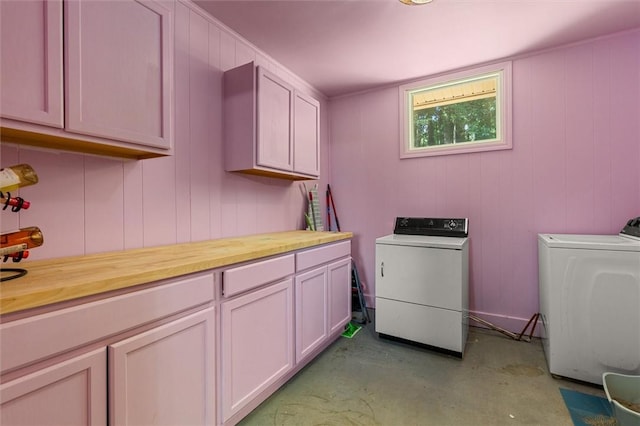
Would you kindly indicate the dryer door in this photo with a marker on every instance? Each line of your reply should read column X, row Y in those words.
column 421, row 275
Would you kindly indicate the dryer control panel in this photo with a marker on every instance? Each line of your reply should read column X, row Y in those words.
column 443, row 227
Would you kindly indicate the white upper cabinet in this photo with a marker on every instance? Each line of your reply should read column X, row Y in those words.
column 118, row 69
column 273, row 121
column 31, row 65
column 114, row 96
column 306, row 135
column 270, row 127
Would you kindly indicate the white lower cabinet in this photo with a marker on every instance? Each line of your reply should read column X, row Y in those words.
column 276, row 315
column 165, row 376
column 72, row 392
column 323, row 305
column 192, row 350
column 339, row 286
column 256, row 345
column 312, row 314
column 162, row 375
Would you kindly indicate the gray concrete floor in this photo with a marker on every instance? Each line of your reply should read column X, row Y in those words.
column 370, row 381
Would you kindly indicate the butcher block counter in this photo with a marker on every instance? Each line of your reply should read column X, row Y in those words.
column 62, row 279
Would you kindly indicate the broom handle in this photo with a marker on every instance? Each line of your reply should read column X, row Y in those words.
column 335, row 212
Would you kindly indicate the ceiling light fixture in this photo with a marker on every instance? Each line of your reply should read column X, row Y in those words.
column 415, row 2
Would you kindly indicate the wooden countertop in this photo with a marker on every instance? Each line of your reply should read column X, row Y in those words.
column 57, row 280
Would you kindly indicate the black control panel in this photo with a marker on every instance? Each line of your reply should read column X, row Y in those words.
column 632, row 227
column 442, row 227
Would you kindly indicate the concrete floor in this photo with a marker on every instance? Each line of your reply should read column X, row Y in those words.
column 369, row 381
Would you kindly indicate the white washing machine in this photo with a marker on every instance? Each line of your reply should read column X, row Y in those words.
column 422, row 283
column 590, row 303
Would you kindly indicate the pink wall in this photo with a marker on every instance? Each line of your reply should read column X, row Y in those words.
column 574, row 168
column 87, row 204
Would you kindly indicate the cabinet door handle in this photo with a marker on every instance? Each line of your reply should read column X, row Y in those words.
column 382, row 269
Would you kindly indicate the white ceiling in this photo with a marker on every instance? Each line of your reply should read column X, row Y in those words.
column 344, row 46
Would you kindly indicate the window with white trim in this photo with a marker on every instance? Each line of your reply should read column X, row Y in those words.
column 467, row 111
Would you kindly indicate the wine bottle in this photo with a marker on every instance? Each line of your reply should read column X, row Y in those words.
column 25, row 238
column 14, row 177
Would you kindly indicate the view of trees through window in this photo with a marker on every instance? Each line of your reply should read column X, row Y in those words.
column 473, row 120
column 455, row 113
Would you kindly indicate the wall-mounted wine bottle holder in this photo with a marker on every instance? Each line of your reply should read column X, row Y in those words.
column 16, row 203
column 14, row 245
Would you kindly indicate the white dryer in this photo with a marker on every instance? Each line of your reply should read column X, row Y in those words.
column 422, row 281
column 590, row 303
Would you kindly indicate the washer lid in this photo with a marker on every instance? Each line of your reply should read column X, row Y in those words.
column 453, row 243
column 591, row 242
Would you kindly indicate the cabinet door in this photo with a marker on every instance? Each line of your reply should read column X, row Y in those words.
column 311, row 311
column 339, row 277
column 306, row 135
column 274, row 122
column 73, row 392
column 257, row 343
column 118, row 70
column 165, row 376
column 31, row 63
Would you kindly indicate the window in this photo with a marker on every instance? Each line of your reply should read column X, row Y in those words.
column 456, row 113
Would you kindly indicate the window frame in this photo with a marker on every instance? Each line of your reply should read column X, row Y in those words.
column 503, row 106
